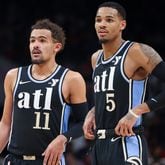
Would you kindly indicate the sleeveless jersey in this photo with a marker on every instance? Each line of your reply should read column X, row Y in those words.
column 114, row 92
column 39, row 113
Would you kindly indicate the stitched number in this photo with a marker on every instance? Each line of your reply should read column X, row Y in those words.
column 110, row 103
column 38, row 120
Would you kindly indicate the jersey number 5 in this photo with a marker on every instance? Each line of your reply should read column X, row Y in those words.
column 110, row 103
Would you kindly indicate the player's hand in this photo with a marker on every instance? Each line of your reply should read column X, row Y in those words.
column 125, row 125
column 52, row 154
column 89, row 125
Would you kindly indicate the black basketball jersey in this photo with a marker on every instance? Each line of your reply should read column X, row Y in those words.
column 40, row 112
column 114, row 92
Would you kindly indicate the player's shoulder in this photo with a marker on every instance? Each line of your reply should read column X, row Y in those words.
column 11, row 77
column 94, row 57
column 144, row 53
column 12, row 72
column 73, row 73
column 74, row 76
column 137, row 46
column 95, row 54
column 74, row 80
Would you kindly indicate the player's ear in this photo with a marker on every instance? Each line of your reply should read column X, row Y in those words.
column 123, row 24
column 57, row 46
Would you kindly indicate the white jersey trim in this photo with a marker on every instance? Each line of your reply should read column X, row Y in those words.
column 15, row 88
column 122, row 63
column 60, row 86
column 117, row 52
column 45, row 80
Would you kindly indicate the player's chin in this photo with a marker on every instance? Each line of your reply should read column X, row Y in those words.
column 103, row 40
column 37, row 61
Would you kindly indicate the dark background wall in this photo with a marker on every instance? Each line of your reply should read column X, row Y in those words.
column 145, row 23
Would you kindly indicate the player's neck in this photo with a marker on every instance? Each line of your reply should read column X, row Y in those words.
column 111, row 47
column 42, row 71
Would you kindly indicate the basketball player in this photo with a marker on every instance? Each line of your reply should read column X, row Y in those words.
column 121, row 69
column 39, row 100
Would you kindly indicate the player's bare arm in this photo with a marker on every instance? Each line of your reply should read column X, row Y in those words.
column 143, row 60
column 153, row 57
column 5, row 123
column 74, row 88
column 147, row 59
column 89, row 125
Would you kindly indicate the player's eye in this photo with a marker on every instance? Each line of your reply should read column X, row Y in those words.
column 97, row 20
column 32, row 40
column 42, row 40
column 109, row 20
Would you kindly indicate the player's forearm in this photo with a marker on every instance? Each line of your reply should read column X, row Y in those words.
column 4, row 135
column 140, row 109
column 91, row 112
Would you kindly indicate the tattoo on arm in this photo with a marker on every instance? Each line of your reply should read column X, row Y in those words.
column 153, row 57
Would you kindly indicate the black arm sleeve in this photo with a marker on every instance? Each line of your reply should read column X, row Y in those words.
column 158, row 101
column 159, row 71
column 79, row 112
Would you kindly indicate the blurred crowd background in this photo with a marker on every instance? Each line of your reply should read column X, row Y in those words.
column 145, row 23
